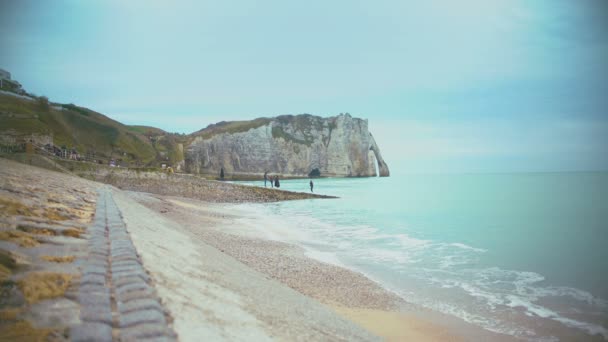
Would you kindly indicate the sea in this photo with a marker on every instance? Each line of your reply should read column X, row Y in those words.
column 522, row 254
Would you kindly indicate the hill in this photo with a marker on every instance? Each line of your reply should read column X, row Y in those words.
column 146, row 130
column 86, row 131
column 290, row 145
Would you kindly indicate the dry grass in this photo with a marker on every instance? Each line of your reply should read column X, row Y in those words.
column 7, row 259
column 22, row 332
column 11, row 208
column 31, row 229
column 36, row 230
column 56, row 214
column 5, row 272
column 7, row 265
column 21, row 238
column 42, row 285
column 9, row 314
column 75, row 233
column 58, row 259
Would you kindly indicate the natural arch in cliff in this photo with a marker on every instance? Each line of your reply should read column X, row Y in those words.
column 381, row 165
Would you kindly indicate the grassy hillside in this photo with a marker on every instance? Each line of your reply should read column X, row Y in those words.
column 231, row 127
column 88, row 131
column 302, row 122
column 146, row 130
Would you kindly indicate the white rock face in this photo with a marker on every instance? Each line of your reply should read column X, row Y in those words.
column 339, row 146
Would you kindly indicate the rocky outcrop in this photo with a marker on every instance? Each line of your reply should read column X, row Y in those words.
column 299, row 145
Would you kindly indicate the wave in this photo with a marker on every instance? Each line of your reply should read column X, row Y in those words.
column 544, row 312
column 467, row 247
column 495, row 289
column 495, row 293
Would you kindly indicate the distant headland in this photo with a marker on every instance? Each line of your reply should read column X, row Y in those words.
column 288, row 145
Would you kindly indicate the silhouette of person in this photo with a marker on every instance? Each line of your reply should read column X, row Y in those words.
column 276, row 182
column 311, row 185
column 265, row 178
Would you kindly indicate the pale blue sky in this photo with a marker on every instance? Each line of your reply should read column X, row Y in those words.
column 481, row 86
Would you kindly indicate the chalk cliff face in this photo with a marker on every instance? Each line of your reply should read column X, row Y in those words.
column 339, row 146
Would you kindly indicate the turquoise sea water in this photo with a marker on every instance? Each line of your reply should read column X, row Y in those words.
column 522, row 254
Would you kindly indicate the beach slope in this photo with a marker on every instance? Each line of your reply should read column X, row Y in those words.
column 213, row 296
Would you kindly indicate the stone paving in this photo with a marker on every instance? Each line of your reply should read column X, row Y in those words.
column 117, row 299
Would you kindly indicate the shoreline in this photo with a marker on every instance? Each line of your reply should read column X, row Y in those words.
column 192, row 186
column 345, row 291
column 213, row 296
column 213, row 247
column 48, row 224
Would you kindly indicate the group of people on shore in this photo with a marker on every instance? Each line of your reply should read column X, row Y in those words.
column 274, row 181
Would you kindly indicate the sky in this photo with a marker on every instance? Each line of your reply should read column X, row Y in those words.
column 447, row 86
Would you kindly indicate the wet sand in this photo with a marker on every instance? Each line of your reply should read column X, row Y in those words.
column 397, row 326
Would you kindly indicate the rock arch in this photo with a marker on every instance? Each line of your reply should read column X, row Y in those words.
column 382, row 167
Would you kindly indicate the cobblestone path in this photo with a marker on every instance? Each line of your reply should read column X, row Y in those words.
column 118, row 303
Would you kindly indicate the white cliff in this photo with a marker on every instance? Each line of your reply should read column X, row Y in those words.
column 339, row 146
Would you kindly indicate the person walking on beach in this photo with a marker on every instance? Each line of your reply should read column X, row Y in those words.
column 276, row 182
column 271, row 179
column 265, row 178
column 311, row 185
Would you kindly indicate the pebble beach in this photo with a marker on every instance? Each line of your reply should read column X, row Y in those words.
column 84, row 260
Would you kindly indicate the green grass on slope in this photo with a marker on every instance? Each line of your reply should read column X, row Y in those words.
column 231, row 127
column 76, row 127
column 146, row 130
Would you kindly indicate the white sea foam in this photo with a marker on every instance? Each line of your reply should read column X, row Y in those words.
column 577, row 294
column 543, row 312
column 524, row 295
column 443, row 265
column 463, row 246
column 488, row 323
column 383, row 255
column 410, row 242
